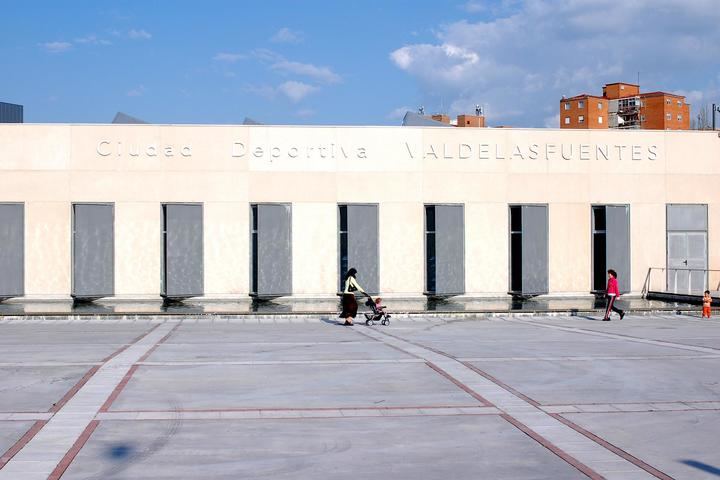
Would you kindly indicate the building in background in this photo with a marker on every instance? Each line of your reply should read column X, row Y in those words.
column 419, row 119
column 477, row 120
column 11, row 113
column 622, row 105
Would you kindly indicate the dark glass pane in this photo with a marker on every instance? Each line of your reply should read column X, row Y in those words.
column 254, row 261
column 164, row 213
column 343, row 218
column 430, row 261
column 430, row 218
column 516, row 219
column 343, row 253
column 599, row 261
column 599, row 218
column 254, row 219
column 516, row 262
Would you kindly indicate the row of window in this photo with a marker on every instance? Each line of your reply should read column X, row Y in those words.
column 358, row 241
column 581, row 119
column 581, row 105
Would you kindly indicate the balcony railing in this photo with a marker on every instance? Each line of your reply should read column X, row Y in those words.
column 681, row 281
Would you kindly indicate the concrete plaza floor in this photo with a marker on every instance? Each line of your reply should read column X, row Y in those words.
column 205, row 397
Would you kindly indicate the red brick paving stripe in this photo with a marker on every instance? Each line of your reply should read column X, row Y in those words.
column 531, row 433
column 71, row 393
column 616, row 450
column 132, row 342
column 154, row 347
column 630, row 403
column 474, row 369
column 116, row 391
column 501, row 384
column 638, row 411
column 589, row 472
column 461, row 385
column 120, row 386
column 74, row 450
column 13, row 450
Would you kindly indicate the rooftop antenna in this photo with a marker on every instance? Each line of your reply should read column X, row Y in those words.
column 478, row 110
column 421, row 110
column 640, row 117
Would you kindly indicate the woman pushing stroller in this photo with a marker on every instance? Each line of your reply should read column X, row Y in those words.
column 349, row 304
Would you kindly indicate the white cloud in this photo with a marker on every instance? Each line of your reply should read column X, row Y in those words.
column 92, row 40
column 531, row 52
column 137, row 92
column 229, row 57
column 139, row 35
column 285, row 35
column 56, row 47
column 296, row 91
column 267, row 55
column 323, row 74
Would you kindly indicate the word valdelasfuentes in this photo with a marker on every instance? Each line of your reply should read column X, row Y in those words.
column 534, row 151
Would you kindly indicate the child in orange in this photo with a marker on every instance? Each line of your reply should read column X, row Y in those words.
column 707, row 301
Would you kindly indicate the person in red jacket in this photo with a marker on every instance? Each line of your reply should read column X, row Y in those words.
column 613, row 292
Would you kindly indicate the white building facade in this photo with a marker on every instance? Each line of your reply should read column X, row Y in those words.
column 227, row 212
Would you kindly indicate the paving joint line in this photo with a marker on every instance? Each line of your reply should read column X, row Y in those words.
column 620, row 336
column 162, row 340
column 590, row 473
column 613, row 448
column 71, row 393
column 506, row 411
column 74, row 450
column 460, row 385
column 41, row 458
column 17, row 446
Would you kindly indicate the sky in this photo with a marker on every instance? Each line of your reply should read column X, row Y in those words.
column 348, row 62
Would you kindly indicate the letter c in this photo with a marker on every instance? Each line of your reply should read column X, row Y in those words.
column 99, row 147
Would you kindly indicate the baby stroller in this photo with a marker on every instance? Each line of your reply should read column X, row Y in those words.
column 377, row 315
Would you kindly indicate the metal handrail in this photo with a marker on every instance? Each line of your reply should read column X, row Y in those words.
column 706, row 278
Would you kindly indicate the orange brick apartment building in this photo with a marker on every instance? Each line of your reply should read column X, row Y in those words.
column 623, row 106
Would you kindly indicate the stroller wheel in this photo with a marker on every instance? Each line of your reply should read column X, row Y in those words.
column 386, row 322
column 369, row 322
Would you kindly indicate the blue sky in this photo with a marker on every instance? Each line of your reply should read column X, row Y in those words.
column 347, row 62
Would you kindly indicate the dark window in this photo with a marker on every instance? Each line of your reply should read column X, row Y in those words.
column 516, row 249
column 430, row 248
column 163, row 258
column 343, row 244
column 599, row 219
column 254, row 253
column 343, row 218
column 599, row 248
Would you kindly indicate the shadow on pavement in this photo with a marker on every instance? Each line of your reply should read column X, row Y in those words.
column 702, row 466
